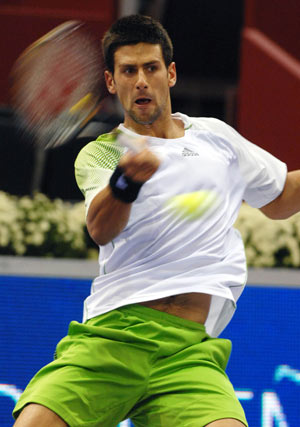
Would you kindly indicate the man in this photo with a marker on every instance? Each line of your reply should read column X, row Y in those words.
column 167, row 284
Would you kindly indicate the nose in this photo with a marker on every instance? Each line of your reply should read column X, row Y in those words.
column 141, row 82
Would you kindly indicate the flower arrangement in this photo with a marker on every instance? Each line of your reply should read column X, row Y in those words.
column 37, row 226
column 269, row 243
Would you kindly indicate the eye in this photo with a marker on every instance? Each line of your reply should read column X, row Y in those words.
column 152, row 68
column 129, row 70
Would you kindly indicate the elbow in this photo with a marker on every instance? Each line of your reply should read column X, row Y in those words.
column 97, row 236
column 276, row 216
column 99, row 240
column 286, row 204
column 274, row 213
column 103, row 233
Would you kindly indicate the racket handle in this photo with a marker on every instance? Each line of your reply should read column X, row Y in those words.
column 133, row 143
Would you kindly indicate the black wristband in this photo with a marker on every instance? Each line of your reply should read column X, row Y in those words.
column 124, row 188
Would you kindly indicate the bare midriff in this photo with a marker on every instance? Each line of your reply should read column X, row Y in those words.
column 192, row 306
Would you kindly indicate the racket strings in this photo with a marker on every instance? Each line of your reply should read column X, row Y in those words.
column 58, row 86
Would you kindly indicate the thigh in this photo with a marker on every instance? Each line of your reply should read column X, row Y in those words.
column 93, row 381
column 228, row 422
column 190, row 389
column 38, row 415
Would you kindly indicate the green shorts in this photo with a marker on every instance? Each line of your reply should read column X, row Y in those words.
column 135, row 362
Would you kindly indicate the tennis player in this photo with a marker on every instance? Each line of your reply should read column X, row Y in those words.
column 147, row 348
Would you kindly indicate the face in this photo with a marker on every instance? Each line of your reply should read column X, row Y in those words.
column 142, row 83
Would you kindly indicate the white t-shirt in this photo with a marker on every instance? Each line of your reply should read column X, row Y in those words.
column 159, row 254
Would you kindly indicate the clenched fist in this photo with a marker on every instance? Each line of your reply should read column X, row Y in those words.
column 139, row 166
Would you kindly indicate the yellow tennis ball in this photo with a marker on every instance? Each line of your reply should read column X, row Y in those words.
column 193, row 205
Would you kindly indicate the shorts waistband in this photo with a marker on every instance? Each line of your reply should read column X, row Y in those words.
column 161, row 316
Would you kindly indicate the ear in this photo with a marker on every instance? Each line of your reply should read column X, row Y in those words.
column 110, row 83
column 172, row 75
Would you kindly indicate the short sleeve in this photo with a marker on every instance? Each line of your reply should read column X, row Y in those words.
column 95, row 164
column 264, row 175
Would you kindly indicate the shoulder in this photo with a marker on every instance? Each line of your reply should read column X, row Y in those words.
column 104, row 152
column 210, row 124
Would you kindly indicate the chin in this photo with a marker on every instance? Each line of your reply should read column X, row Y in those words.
column 148, row 119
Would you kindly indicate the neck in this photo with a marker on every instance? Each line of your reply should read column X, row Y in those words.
column 168, row 128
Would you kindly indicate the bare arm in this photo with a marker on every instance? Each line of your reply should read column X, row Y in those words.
column 108, row 216
column 288, row 202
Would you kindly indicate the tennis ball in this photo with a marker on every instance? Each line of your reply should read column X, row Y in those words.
column 193, row 205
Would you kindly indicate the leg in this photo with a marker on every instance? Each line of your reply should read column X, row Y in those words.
column 34, row 415
column 226, row 422
column 94, row 380
column 191, row 388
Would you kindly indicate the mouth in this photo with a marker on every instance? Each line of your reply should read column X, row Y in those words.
column 143, row 101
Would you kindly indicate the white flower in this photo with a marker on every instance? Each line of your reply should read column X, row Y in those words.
column 28, row 225
column 4, row 236
column 269, row 243
column 35, row 239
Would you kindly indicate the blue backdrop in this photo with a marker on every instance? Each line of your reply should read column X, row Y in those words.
column 264, row 367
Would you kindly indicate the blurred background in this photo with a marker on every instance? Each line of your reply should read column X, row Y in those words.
column 237, row 60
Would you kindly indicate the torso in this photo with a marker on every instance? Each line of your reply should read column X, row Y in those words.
column 192, row 306
column 177, row 256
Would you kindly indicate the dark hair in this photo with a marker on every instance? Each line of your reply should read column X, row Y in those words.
column 134, row 29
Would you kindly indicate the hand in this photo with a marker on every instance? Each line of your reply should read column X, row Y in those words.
column 139, row 166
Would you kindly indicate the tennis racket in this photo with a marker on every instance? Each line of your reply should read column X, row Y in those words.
column 58, row 84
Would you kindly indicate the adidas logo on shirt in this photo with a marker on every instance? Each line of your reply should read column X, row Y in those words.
column 187, row 152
